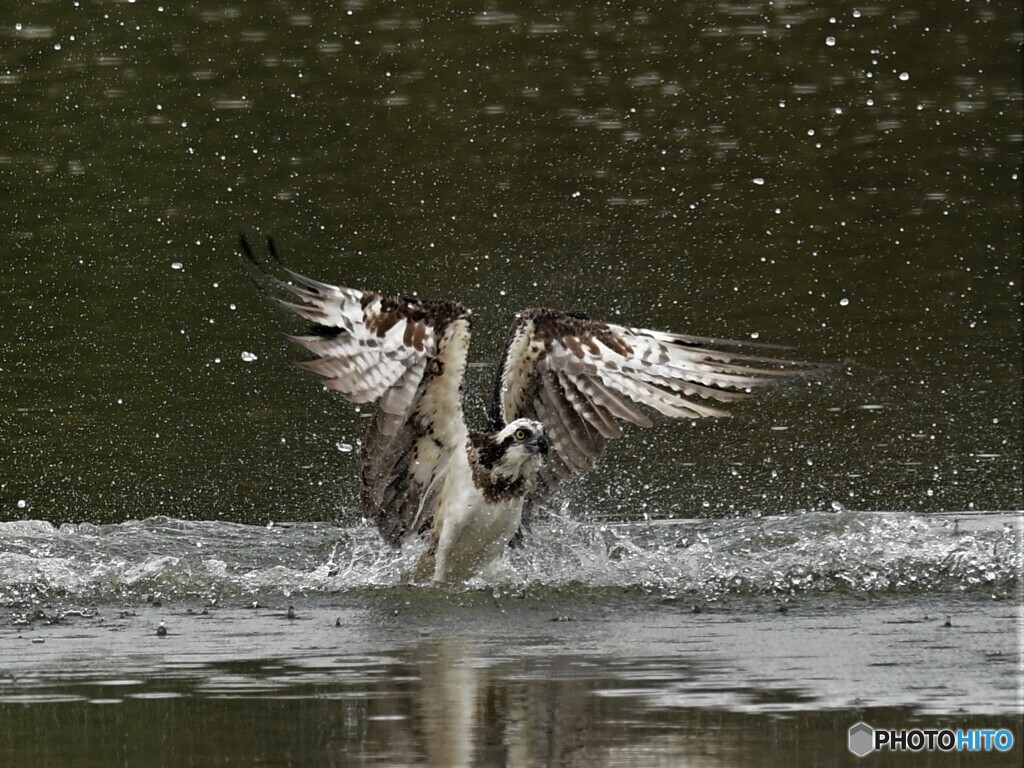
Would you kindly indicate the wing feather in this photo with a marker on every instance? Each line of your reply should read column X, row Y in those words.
column 582, row 378
column 574, row 443
column 410, row 357
column 612, row 402
column 639, row 391
column 595, row 415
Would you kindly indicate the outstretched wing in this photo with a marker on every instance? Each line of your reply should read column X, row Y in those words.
column 583, row 378
column 408, row 355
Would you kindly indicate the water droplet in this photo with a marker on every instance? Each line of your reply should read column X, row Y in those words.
column 844, row 302
column 904, row 76
column 344, row 447
column 759, row 181
column 177, row 265
column 22, row 503
column 249, row 357
column 830, row 41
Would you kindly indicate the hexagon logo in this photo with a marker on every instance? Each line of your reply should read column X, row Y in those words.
column 861, row 739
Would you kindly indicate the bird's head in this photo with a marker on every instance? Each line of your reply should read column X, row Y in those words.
column 514, row 452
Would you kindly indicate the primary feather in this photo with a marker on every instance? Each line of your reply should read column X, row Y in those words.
column 563, row 388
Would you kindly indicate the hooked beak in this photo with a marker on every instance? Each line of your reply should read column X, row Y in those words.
column 541, row 445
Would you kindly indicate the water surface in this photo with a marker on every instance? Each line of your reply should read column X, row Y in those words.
column 604, row 645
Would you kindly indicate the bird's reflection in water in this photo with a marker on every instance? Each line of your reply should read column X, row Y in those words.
column 455, row 709
column 451, row 701
column 451, row 689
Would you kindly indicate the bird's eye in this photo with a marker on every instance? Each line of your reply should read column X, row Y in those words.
column 520, row 434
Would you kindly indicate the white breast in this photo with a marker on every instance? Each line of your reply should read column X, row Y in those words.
column 473, row 531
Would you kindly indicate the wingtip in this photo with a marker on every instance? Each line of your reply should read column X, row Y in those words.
column 250, row 256
column 246, row 249
column 272, row 250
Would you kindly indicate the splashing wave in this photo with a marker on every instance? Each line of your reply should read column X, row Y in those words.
column 851, row 552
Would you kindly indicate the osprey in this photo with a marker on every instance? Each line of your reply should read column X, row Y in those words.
column 564, row 386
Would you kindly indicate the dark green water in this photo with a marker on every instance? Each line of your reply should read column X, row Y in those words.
column 844, row 179
column 714, row 169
